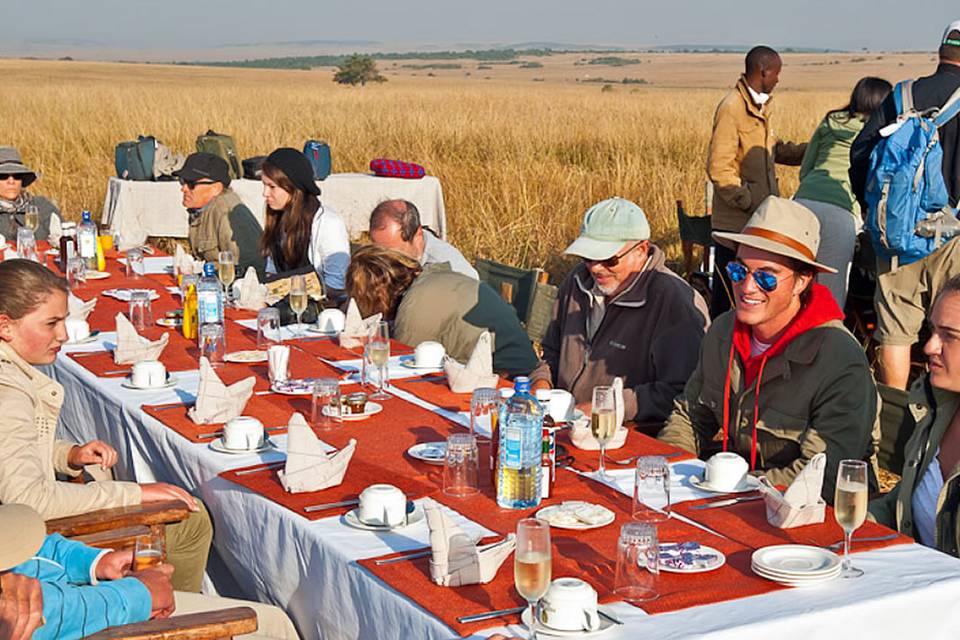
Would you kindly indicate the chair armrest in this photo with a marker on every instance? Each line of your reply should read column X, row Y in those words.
column 151, row 514
column 209, row 625
column 123, row 538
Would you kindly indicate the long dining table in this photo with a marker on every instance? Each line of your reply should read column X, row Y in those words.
column 324, row 574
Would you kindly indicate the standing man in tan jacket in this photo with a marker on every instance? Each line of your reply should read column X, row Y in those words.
column 740, row 161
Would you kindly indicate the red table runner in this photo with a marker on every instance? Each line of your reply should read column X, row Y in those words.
column 433, row 388
column 637, row 444
column 330, row 349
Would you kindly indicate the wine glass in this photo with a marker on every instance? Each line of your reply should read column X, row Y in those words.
column 227, row 272
column 603, row 418
column 531, row 565
column 31, row 217
column 850, row 507
column 298, row 300
column 378, row 353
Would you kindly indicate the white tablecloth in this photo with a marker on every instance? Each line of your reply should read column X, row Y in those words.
column 266, row 552
column 140, row 209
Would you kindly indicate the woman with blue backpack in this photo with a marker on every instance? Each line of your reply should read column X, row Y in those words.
column 825, row 184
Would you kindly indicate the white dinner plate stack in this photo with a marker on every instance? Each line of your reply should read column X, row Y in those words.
column 796, row 565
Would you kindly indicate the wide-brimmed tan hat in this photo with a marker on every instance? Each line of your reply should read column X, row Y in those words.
column 11, row 163
column 783, row 227
column 22, row 533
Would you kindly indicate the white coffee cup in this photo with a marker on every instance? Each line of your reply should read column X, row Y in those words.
column 331, row 321
column 570, row 604
column 429, row 354
column 725, row 470
column 77, row 329
column 147, row 374
column 558, row 403
column 382, row 505
column 243, row 433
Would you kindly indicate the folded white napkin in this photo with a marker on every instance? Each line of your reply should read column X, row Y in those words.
column 478, row 372
column 77, row 308
column 801, row 503
column 217, row 402
column 309, row 467
column 582, row 436
column 183, row 263
column 252, row 293
column 55, row 230
column 457, row 559
column 132, row 347
column 278, row 362
column 356, row 328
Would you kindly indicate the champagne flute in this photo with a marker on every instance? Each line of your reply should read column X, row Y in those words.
column 31, row 217
column 227, row 272
column 531, row 565
column 850, row 507
column 378, row 352
column 298, row 300
column 603, row 417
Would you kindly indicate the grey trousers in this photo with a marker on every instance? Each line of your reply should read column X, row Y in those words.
column 838, row 237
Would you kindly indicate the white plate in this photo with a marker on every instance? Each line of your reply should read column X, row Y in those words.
column 298, row 387
column 97, row 275
column 796, row 561
column 410, row 362
column 246, row 357
column 170, row 323
column 778, row 577
column 323, row 332
column 123, row 295
column 543, row 631
column 371, row 409
column 798, row 582
column 90, row 338
column 720, row 561
column 544, row 514
column 749, row 483
column 217, row 445
column 429, row 452
column 127, row 384
column 353, row 520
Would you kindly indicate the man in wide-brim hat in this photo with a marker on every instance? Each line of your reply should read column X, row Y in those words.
column 779, row 376
column 15, row 200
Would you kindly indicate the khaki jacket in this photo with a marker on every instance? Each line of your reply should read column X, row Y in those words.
column 817, row 395
column 740, row 160
column 932, row 410
column 30, row 455
column 226, row 224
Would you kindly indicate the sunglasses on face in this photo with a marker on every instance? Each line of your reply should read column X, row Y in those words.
column 738, row 272
column 613, row 261
column 7, row 176
column 192, row 184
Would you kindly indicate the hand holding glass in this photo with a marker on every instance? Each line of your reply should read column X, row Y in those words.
column 148, row 552
column 532, row 565
column 603, row 420
column 850, row 507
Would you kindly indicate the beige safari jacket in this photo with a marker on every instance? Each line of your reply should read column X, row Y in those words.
column 740, row 161
column 30, row 455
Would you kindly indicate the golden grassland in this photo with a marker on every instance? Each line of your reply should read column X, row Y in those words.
column 519, row 160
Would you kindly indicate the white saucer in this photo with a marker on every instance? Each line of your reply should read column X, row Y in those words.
column 127, row 384
column 544, row 514
column 90, row 338
column 795, row 561
column 371, row 409
column 294, row 387
column 124, row 295
column 721, row 560
column 352, row 519
column 543, row 631
column 429, row 452
column 169, row 323
column 749, row 483
column 97, row 275
column 246, row 357
column 322, row 332
column 410, row 362
column 217, row 445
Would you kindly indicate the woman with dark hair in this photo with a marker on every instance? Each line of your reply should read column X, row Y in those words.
column 299, row 233
column 437, row 303
column 825, row 185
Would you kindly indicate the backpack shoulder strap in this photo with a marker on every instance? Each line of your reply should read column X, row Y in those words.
column 949, row 109
column 903, row 97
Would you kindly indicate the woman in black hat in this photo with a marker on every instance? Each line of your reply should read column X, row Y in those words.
column 15, row 201
column 299, row 232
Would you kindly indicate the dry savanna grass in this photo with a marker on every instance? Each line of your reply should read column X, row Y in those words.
column 519, row 161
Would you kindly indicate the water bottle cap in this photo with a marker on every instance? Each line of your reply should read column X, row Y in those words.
column 86, row 216
column 209, row 270
column 521, row 384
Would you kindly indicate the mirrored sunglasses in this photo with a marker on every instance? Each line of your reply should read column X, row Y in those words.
column 766, row 281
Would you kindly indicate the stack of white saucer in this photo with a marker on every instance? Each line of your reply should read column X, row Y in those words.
column 796, row 565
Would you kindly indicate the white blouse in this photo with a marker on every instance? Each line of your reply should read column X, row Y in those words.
column 329, row 251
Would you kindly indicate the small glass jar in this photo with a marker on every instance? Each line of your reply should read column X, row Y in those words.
column 356, row 403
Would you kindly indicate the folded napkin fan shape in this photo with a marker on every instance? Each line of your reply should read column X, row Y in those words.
column 77, row 308
column 132, row 347
column 308, row 466
column 582, row 436
column 217, row 402
column 252, row 294
column 801, row 503
column 478, row 372
column 355, row 327
column 457, row 560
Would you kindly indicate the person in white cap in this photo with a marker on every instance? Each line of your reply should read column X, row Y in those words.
column 779, row 379
column 623, row 313
column 905, row 292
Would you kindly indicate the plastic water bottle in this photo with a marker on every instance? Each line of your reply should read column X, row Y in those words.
column 521, row 438
column 209, row 298
column 87, row 241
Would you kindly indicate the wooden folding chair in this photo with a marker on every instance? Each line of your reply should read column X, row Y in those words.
column 212, row 625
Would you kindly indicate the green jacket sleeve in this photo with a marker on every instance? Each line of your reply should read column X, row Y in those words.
column 810, row 155
column 245, row 234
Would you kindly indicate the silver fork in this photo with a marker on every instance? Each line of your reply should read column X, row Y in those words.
column 839, row 545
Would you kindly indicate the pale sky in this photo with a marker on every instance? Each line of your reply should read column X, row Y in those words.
column 37, row 27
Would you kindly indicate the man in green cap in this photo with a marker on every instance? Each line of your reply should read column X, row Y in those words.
column 622, row 313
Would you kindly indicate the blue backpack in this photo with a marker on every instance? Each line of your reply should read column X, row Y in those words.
column 318, row 153
column 905, row 191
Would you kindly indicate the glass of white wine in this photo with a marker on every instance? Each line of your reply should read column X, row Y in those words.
column 850, row 507
column 227, row 272
column 298, row 300
column 31, row 217
column 532, row 565
column 378, row 353
column 603, row 418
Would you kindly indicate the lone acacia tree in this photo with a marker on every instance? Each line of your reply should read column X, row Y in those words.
column 358, row 69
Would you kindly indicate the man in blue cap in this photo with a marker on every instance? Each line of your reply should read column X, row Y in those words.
column 622, row 312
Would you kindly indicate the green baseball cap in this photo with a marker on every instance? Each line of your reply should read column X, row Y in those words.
column 607, row 226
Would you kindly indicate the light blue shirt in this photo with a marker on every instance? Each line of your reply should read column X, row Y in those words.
column 436, row 251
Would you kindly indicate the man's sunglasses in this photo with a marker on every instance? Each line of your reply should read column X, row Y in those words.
column 613, row 261
column 7, row 176
column 192, row 184
column 738, row 272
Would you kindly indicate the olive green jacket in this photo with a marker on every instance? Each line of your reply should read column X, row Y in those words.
column 932, row 410
column 817, row 395
column 226, row 224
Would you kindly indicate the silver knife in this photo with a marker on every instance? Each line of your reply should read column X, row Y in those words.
column 477, row 617
column 726, row 503
column 403, row 558
column 604, row 614
column 331, row 505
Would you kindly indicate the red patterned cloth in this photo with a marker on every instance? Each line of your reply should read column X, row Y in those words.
column 396, row 169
